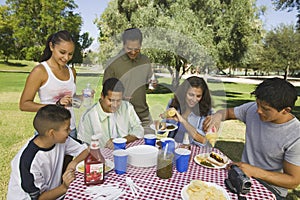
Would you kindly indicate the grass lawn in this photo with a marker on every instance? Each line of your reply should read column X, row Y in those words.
column 16, row 126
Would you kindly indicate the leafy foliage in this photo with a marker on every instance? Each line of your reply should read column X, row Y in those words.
column 30, row 22
column 6, row 30
column 207, row 34
column 281, row 50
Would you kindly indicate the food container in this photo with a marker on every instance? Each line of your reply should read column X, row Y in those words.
column 142, row 156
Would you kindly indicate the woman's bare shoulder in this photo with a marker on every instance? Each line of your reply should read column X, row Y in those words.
column 39, row 72
column 39, row 67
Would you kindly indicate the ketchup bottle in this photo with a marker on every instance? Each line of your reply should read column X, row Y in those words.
column 94, row 164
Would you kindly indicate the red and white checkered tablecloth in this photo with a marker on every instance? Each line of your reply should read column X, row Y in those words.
column 158, row 189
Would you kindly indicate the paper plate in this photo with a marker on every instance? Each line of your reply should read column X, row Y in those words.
column 202, row 157
column 142, row 156
column 109, row 165
column 185, row 196
column 169, row 127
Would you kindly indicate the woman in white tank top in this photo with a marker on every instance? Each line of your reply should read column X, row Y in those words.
column 52, row 79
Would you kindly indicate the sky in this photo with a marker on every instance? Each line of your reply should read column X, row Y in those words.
column 273, row 18
column 91, row 9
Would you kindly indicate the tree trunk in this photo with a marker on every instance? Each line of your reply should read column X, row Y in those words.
column 175, row 80
column 286, row 71
column 246, row 71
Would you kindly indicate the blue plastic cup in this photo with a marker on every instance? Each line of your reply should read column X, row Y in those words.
column 120, row 161
column 150, row 139
column 170, row 141
column 182, row 157
column 119, row 143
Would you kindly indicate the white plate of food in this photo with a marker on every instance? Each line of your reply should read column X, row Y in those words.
column 163, row 127
column 198, row 189
column 109, row 165
column 212, row 160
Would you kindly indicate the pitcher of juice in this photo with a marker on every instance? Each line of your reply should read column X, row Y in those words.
column 164, row 168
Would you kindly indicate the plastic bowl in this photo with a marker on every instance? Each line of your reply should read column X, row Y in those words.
column 142, row 156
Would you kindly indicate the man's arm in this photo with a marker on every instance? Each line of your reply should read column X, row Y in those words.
column 130, row 138
column 290, row 178
column 217, row 118
column 85, row 131
column 136, row 129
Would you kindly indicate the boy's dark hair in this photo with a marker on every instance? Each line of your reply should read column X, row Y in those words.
column 112, row 84
column 55, row 38
column 50, row 117
column 276, row 92
column 132, row 34
column 203, row 108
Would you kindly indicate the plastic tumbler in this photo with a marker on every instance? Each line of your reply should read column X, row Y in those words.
column 119, row 143
column 182, row 157
column 76, row 102
column 120, row 161
column 150, row 139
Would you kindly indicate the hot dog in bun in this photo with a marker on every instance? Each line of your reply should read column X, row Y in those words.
column 217, row 159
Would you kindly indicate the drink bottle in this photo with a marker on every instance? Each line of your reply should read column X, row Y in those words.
column 212, row 136
column 186, row 142
column 153, row 79
column 87, row 96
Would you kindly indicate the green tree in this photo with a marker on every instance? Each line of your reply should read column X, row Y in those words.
column 34, row 20
column 82, row 42
column 281, row 49
column 206, row 34
column 7, row 42
column 236, row 30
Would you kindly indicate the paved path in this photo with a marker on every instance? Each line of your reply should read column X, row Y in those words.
column 253, row 81
column 240, row 79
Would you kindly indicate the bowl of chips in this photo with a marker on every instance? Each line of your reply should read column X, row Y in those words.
column 198, row 190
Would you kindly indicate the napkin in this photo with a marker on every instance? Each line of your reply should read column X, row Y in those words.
column 105, row 192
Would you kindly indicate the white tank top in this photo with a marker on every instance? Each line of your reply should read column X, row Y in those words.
column 54, row 89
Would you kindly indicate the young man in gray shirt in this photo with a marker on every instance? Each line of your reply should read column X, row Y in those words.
column 271, row 152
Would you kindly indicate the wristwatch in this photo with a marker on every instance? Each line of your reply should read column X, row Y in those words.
column 59, row 104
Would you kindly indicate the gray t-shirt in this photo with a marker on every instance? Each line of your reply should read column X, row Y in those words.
column 268, row 144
